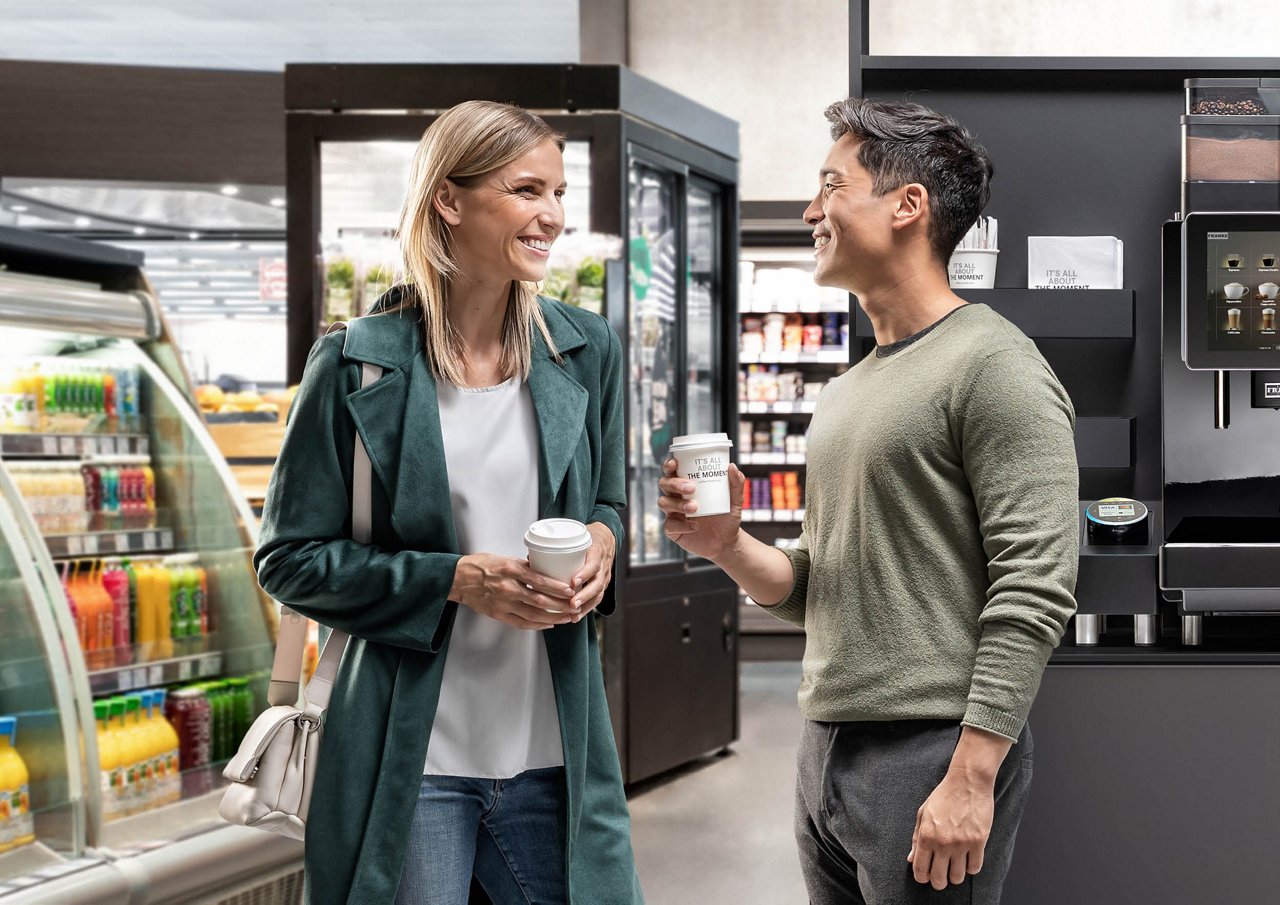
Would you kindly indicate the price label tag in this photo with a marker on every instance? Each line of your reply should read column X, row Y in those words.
column 795, row 458
column 789, row 357
column 757, row 408
column 89, row 446
column 184, row 670
column 90, row 545
column 121, row 541
column 156, row 675
column 66, row 446
column 149, row 540
column 144, row 446
column 166, row 539
column 784, row 408
column 75, row 545
column 48, row 446
column 210, row 665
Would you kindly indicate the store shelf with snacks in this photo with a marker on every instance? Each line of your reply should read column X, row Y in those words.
column 773, row 516
column 838, row 305
column 72, row 446
column 827, row 355
column 799, row 407
column 771, row 458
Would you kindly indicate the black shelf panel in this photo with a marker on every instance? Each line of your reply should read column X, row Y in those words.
column 1049, row 313
column 1105, row 442
column 73, row 446
column 1120, row 579
column 206, row 665
column 110, row 543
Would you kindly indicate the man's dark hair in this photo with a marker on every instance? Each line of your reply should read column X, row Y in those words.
column 905, row 143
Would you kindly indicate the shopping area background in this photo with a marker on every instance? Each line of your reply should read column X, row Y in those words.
column 136, row 451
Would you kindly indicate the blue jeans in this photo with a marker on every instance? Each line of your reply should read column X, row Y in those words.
column 509, row 833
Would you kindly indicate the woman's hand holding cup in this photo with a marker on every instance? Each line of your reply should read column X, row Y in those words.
column 505, row 588
column 593, row 579
column 708, row 536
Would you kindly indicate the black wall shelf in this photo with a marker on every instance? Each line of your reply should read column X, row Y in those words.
column 1049, row 313
column 1104, row 442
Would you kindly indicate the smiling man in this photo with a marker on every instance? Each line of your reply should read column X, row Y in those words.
column 937, row 565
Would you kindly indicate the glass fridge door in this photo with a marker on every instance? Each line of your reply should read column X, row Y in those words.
column 42, row 774
column 702, row 313
column 656, row 279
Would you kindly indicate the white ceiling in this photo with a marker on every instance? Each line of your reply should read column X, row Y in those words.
column 266, row 34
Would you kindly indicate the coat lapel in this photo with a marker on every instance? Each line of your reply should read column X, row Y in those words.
column 559, row 402
column 398, row 418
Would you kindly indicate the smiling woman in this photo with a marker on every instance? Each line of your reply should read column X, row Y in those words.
column 469, row 730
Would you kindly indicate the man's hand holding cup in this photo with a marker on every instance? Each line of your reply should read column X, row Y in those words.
column 702, row 535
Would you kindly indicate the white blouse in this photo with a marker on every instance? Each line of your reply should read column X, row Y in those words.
column 497, row 715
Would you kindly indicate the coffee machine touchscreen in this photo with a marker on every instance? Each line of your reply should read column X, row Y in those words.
column 1243, row 283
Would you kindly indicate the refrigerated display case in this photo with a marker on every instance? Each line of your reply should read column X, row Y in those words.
column 793, row 337
column 125, row 578
column 650, row 243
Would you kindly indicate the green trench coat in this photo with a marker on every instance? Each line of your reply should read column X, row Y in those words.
column 391, row 595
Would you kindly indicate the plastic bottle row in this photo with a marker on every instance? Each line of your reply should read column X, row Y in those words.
column 46, row 396
column 16, row 826
column 146, row 740
column 139, row 610
column 100, row 493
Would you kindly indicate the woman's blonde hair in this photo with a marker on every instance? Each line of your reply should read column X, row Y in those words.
column 466, row 143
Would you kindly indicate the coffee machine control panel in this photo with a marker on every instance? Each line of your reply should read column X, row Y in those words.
column 1231, row 291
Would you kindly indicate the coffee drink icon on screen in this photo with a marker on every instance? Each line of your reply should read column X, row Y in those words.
column 1232, row 260
column 1233, row 318
column 1235, row 291
column 1267, row 260
column 1268, row 318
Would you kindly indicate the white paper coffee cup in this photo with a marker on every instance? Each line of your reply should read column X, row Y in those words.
column 972, row 268
column 704, row 460
column 557, row 547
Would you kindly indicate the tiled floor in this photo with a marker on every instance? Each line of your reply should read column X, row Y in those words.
column 719, row 832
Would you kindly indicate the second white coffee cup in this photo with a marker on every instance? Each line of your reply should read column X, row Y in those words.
column 557, row 547
column 704, row 460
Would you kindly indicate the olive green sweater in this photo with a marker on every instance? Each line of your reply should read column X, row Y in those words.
column 937, row 565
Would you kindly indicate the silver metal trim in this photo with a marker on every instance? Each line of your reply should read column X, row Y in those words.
column 49, row 304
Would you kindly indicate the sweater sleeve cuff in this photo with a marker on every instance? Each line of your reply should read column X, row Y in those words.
column 792, row 608
column 980, row 716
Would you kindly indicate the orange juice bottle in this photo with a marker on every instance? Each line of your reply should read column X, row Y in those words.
column 155, row 748
column 108, row 761
column 161, row 582
column 15, row 785
column 171, row 744
column 116, row 731
column 134, row 757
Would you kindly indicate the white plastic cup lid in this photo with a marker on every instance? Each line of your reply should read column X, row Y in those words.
column 692, row 440
column 558, row 534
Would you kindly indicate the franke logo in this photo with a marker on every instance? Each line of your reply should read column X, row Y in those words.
column 1213, row 236
column 1271, row 390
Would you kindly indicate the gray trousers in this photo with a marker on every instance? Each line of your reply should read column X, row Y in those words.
column 858, row 788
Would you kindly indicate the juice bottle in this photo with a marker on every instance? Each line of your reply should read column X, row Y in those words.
column 110, row 488
column 8, row 826
column 160, row 582
column 106, row 606
column 146, row 750
column 131, row 575
column 155, row 751
column 108, row 761
column 15, row 783
column 169, row 738
column 220, row 726
column 200, row 593
column 116, row 732
column 37, row 386
column 30, row 404
column 149, row 487
column 146, row 621
column 116, row 584
column 135, row 756
column 241, row 710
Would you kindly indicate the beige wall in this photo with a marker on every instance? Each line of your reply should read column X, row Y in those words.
column 773, row 66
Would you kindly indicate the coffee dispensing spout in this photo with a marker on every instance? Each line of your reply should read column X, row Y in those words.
column 1221, row 400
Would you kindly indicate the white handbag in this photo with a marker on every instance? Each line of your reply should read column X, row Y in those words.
column 273, row 772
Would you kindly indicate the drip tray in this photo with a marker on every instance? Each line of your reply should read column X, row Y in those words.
column 1224, row 564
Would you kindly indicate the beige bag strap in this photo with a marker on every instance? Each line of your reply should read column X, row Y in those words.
column 291, row 640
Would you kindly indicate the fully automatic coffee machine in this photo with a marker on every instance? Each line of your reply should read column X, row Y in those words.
column 1221, row 359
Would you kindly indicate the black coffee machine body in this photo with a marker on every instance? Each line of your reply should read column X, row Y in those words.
column 1221, row 385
